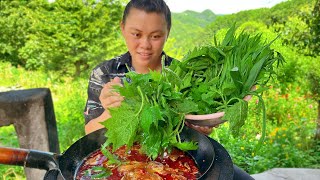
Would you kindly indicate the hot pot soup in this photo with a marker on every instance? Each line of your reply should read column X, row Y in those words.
column 176, row 165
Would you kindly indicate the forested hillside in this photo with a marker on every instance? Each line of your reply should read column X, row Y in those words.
column 279, row 13
column 186, row 27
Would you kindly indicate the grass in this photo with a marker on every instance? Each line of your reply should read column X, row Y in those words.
column 68, row 97
column 10, row 172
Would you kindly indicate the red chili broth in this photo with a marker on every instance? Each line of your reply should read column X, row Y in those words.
column 134, row 155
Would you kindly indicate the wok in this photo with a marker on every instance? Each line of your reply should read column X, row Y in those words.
column 213, row 160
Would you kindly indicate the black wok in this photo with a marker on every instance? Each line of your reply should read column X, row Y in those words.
column 213, row 160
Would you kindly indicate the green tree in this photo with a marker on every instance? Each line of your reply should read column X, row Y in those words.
column 314, row 25
column 15, row 26
column 300, row 30
column 77, row 35
column 67, row 36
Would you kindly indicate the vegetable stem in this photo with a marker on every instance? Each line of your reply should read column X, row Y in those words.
column 264, row 124
column 142, row 100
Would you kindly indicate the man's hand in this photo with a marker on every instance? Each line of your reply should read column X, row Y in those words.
column 108, row 97
column 202, row 129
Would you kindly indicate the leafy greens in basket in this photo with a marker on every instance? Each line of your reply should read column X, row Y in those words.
column 209, row 79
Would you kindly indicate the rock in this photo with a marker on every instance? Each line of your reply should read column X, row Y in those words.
column 288, row 174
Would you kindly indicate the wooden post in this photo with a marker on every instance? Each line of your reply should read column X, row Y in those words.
column 32, row 114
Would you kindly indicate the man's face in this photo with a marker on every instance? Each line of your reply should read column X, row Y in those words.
column 145, row 35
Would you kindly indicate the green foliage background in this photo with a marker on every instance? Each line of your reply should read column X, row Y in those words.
column 55, row 45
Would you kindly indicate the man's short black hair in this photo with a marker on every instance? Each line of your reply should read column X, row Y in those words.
column 149, row 6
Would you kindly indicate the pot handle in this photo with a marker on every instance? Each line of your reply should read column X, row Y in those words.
column 28, row 158
column 13, row 156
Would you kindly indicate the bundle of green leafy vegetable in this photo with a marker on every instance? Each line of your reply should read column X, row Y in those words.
column 152, row 114
column 218, row 77
column 209, row 79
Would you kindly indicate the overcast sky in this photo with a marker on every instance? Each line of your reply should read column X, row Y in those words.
column 219, row 6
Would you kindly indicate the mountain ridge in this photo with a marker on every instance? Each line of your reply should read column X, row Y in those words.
column 189, row 27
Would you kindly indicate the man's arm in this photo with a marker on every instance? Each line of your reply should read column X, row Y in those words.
column 94, row 124
column 107, row 99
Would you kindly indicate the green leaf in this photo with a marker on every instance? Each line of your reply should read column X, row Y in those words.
column 229, row 36
column 151, row 143
column 236, row 115
column 186, row 81
column 112, row 159
column 185, row 146
column 98, row 172
column 187, row 106
column 209, row 97
column 254, row 72
column 122, row 126
column 103, row 172
column 228, row 89
column 150, row 115
column 155, row 76
column 236, row 77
